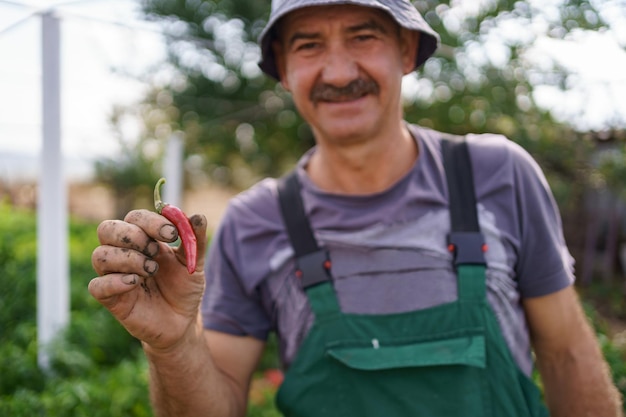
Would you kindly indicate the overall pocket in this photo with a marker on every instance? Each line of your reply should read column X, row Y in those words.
column 443, row 377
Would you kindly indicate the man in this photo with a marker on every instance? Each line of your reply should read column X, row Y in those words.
column 374, row 192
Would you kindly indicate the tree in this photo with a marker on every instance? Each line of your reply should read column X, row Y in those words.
column 240, row 122
column 484, row 76
column 240, row 125
column 482, row 79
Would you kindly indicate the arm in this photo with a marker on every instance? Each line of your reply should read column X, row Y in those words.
column 145, row 284
column 208, row 375
column 577, row 380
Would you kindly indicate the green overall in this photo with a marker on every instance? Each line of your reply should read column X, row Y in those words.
column 446, row 361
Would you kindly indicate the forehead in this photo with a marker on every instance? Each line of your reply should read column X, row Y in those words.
column 313, row 18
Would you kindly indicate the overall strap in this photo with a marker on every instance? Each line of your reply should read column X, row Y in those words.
column 312, row 262
column 465, row 241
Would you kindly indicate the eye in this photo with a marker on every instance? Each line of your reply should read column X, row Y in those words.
column 364, row 37
column 308, row 45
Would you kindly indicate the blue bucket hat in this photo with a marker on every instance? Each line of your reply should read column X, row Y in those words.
column 402, row 11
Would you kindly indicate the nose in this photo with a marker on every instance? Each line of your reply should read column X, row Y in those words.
column 340, row 68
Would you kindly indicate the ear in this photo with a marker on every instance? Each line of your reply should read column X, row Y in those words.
column 279, row 59
column 409, row 42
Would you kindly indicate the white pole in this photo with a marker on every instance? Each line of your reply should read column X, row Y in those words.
column 52, row 233
column 173, row 169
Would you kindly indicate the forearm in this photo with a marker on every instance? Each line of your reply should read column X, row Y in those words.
column 185, row 382
column 578, row 382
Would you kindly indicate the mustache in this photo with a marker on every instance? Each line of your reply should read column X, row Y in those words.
column 353, row 90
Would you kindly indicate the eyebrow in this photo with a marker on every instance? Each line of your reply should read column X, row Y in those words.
column 368, row 25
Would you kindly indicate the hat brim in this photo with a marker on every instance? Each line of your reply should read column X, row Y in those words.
column 402, row 12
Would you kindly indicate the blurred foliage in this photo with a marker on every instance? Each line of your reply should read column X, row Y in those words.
column 240, row 125
column 86, row 358
column 612, row 165
column 484, row 77
column 97, row 369
column 133, row 172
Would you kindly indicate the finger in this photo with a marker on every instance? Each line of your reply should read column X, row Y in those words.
column 155, row 225
column 199, row 224
column 108, row 259
column 126, row 235
column 107, row 288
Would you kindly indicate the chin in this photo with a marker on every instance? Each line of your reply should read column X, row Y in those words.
column 345, row 135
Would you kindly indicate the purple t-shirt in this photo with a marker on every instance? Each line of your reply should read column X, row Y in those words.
column 389, row 250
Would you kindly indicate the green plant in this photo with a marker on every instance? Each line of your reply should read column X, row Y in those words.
column 98, row 369
column 95, row 363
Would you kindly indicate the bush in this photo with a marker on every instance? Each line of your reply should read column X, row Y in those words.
column 18, row 341
column 114, row 391
column 97, row 368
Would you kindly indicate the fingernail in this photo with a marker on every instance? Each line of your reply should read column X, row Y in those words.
column 150, row 267
column 168, row 232
column 152, row 249
column 129, row 279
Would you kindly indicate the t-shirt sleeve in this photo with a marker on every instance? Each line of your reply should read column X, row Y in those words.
column 228, row 305
column 544, row 263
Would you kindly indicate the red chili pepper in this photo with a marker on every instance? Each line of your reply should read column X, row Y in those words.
column 180, row 220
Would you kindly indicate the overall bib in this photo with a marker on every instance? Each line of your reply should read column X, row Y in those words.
column 445, row 361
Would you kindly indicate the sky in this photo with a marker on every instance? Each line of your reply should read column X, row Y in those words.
column 106, row 47
column 598, row 86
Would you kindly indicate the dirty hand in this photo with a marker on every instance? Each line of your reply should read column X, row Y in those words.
column 143, row 281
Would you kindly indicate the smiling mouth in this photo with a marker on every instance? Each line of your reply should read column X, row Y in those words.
column 352, row 91
column 344, row 99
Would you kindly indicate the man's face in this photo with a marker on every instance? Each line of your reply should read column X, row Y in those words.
column 344, row 66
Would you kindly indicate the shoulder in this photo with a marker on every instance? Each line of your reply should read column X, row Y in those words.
column 250, row 219
column 493, row 145
column 484, row 145
column 250, row 233
column 491, row 154
column 495, row 156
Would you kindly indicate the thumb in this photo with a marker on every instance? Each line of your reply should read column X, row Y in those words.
column 199, row 225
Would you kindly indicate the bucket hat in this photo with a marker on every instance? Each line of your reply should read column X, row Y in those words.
column 402, row 11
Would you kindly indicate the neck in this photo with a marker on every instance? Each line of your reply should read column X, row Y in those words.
column 363, row 167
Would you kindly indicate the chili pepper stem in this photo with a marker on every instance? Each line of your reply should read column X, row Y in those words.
column 158, row 203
